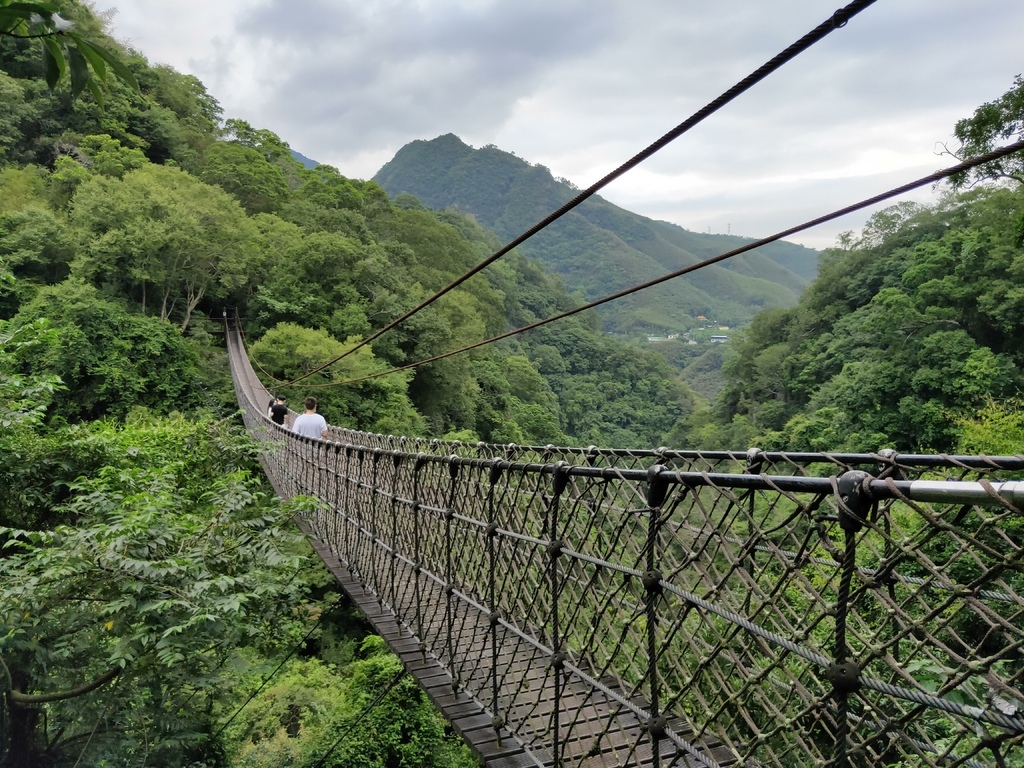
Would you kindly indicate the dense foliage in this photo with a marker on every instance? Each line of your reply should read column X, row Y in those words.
column 164, row 561
column 149, row 580
column 149, row 584
column 910, row 335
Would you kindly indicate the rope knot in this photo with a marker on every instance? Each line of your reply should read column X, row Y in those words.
column 656, row 726
column 652, row 582
column 844, row 676
column 840, row 18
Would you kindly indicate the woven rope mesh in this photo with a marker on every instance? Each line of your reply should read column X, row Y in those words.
column 718, row 609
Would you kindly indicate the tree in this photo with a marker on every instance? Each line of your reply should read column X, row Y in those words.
column 110, row 359
column 136, row 560
column 116, row 623
column 909, row 330
column 326, row 187
column 161, row 231
column 997, row 429
column 313, row 707
column 23, row 400
column 288, row 351
column 271, row 146
column 36, row 244
column 108, row 157
column 20, row 187
column 992, row 124
column 310, row 281
column 15, row 112
column 245, row 173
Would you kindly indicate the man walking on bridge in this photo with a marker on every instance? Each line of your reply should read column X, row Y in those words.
column 278, row 411
column 310, row 423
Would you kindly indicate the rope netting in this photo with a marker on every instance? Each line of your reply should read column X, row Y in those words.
column 691, row 608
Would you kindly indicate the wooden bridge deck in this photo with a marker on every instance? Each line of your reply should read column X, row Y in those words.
column 464, row 713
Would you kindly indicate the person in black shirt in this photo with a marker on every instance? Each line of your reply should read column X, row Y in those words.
column 278, row 411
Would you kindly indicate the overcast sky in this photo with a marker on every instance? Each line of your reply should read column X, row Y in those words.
column 581, row 86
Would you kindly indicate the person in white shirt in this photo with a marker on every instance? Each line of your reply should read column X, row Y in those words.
column 310, row 423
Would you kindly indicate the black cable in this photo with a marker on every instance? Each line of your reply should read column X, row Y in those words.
column 930, row 179
column 267, row 678
column 366, row 711
column 838, row 20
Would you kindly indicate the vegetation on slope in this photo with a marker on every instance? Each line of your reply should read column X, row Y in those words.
column 909, row 339
column 149, row 580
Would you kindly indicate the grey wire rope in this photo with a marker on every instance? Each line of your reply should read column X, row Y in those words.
column 930, row 179
column 838, row 20
column 248, row 349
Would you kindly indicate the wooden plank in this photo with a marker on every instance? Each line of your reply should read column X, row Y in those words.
column 521, row 760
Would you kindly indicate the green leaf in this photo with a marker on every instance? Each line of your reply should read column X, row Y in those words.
column 97, row 92
column 15, row 15
column 54, row 62
column 95, row 60
column 12, row 18
column 79, row 71
column 30, row 8
column 119, row 67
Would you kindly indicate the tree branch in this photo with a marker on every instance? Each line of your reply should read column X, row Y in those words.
column 25, row 699
column 33, row 36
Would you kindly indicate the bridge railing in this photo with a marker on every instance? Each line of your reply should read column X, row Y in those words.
column 748, row 608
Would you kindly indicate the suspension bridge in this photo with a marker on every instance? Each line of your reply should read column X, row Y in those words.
column 594, row 607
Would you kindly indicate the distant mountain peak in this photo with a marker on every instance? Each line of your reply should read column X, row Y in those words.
column 599, row 248
column 309, row 164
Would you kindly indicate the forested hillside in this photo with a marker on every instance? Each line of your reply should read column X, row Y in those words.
column 153, row 211
column 599, row 248
column 149, row 582
column 911, row 338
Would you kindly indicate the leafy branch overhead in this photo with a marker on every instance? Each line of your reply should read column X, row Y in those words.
column 65, row 52
column 992, row 124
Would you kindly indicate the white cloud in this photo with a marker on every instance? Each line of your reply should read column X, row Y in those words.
column 582, row 85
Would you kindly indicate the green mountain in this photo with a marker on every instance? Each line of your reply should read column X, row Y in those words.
column 306, row 162
column 910, row 339
column 599, row 248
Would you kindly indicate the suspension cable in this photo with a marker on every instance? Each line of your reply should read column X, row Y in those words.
column 895, row 192
column 838, row 20
column 252, row 357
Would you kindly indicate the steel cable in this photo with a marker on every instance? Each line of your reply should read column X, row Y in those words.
column 366, row 711
column 284, row 661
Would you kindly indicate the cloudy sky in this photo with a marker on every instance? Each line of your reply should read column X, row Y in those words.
column 581, row 86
